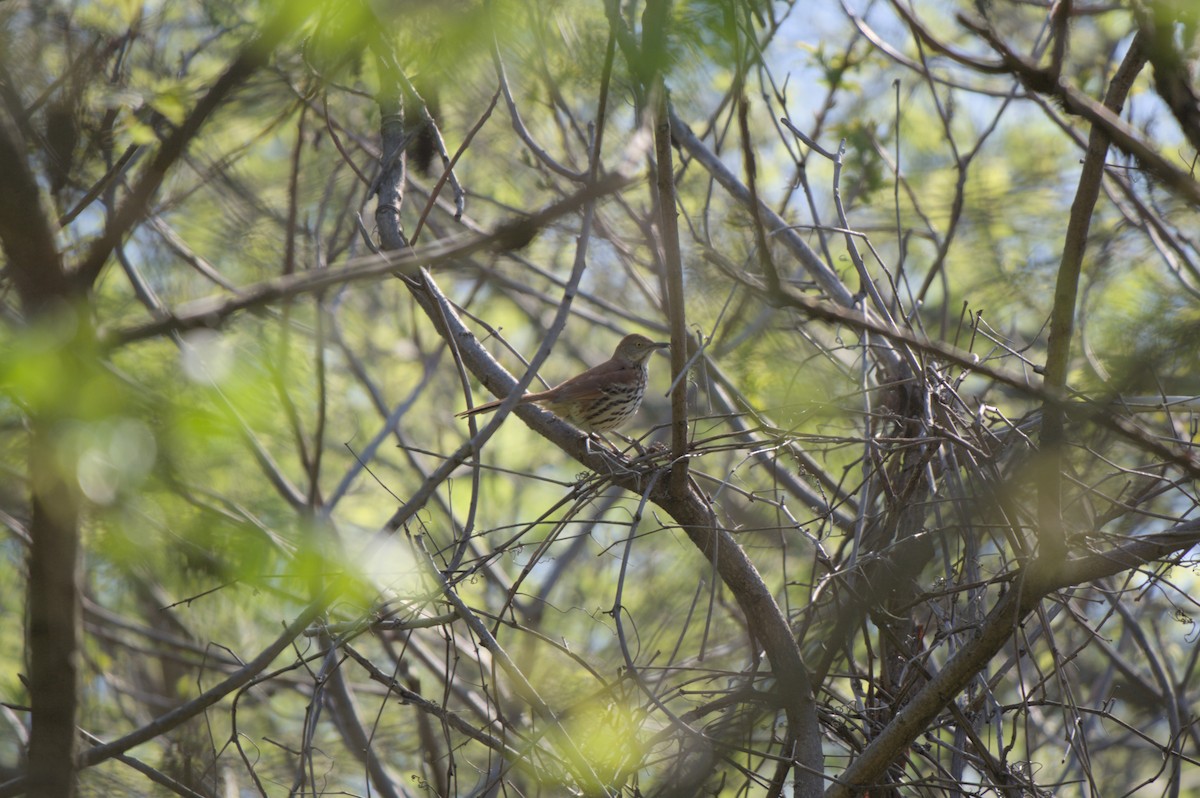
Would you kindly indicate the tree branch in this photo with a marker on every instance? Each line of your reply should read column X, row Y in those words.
column 253, row 57
column 1051, row 535
column 1028, row 587
column 691, row 511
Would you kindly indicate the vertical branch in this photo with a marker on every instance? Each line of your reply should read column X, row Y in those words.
column 342, row 704
column 1053, row 439
column 390, row 183
column 53, row 593
column 578, row 762
column 279, row 368
column 654, row 47
column 54, row 619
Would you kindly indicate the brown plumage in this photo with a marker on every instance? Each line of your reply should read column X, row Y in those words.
column 601, row 398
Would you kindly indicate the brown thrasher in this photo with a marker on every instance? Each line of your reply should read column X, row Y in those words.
column 601, row 398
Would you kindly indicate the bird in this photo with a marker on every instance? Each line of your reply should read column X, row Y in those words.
column 602, row 398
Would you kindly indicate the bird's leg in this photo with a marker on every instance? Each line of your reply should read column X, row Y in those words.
column 633, row 442
column 597, row 437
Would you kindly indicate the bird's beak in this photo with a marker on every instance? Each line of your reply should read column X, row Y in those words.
column 662, row 345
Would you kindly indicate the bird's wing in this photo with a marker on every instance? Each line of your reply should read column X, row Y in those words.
column 598, row 380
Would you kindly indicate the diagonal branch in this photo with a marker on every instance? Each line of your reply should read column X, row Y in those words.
column 691, row 511
column 1119, row 132
column 213, row 311
column 1029, row 586
column 252, row 58
column 190, row 709
column 1157, row 23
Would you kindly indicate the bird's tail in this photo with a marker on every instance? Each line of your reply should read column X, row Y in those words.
column 486, row 407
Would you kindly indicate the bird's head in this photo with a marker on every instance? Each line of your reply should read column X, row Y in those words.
column 637, row 348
